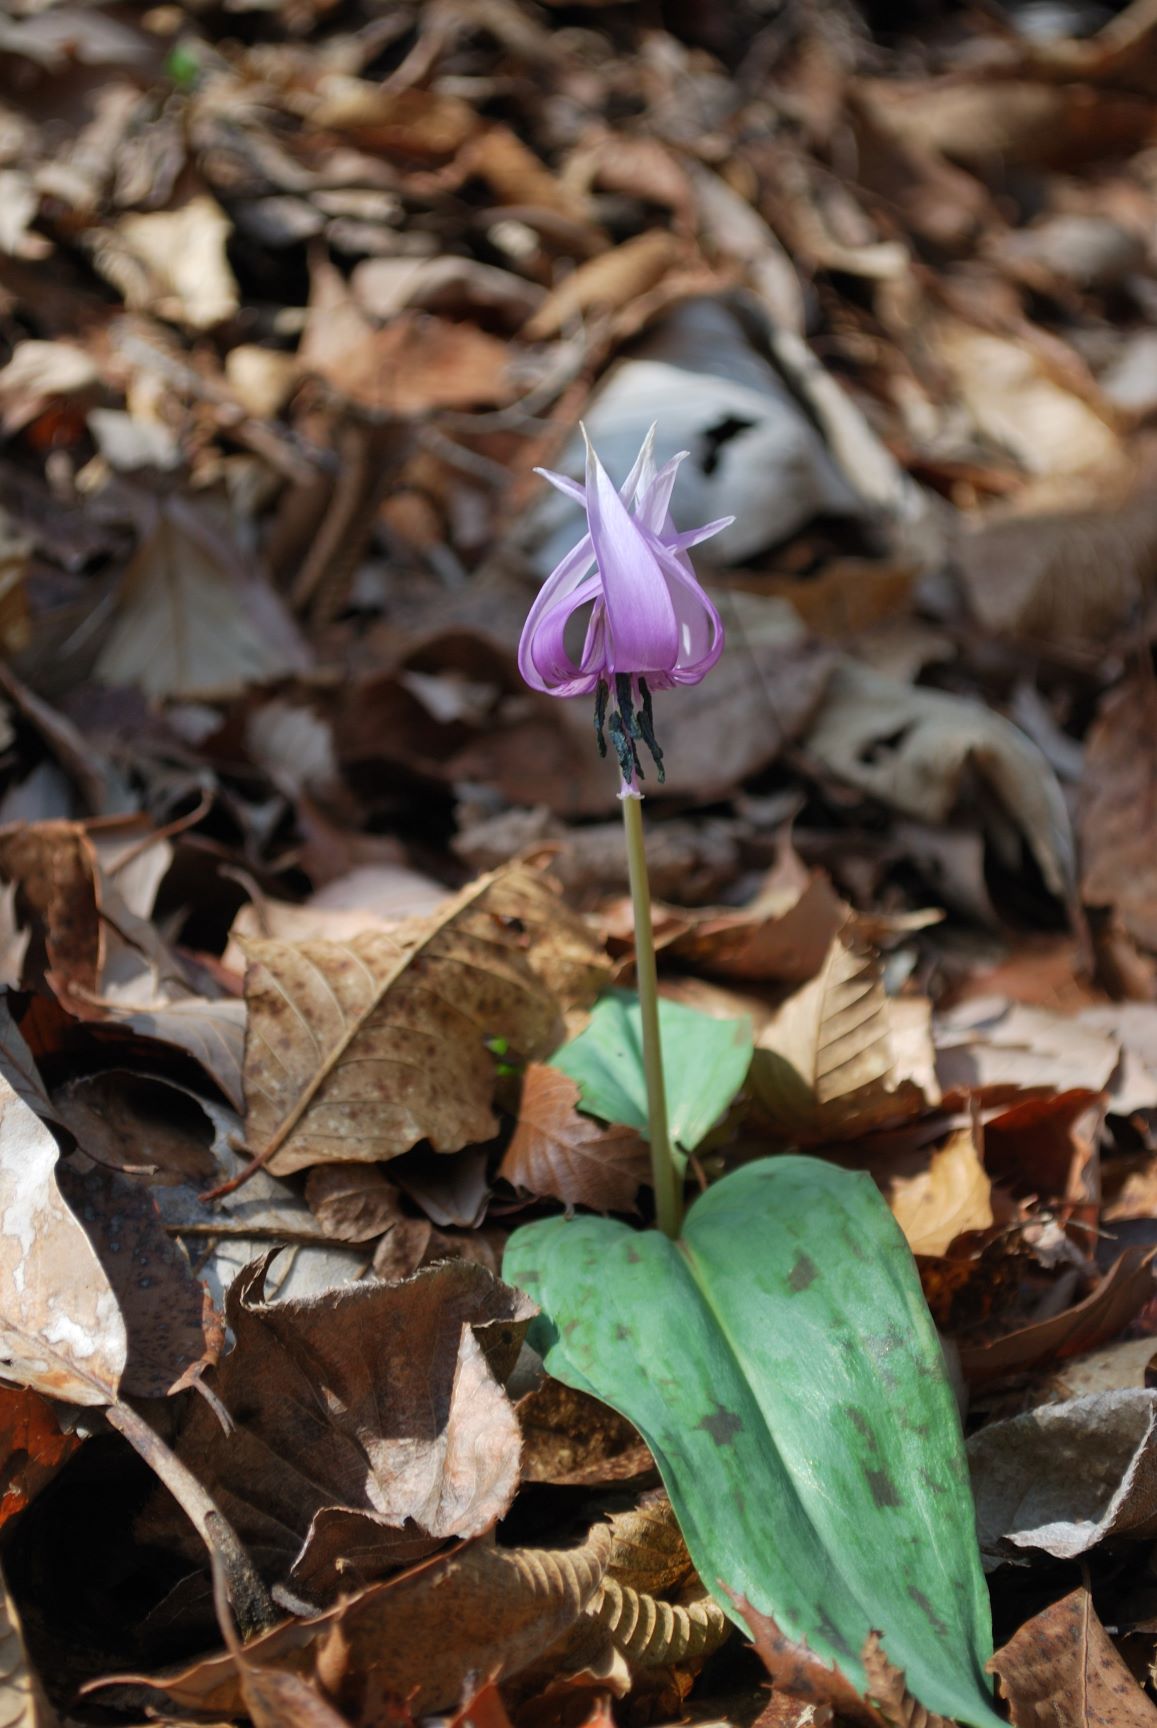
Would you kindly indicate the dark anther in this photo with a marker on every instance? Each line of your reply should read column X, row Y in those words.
column 601, row 696
column 625, row 697
column 624, row 749
column 646, row 730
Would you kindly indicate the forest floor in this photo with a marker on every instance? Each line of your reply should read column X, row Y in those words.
column 294, row 297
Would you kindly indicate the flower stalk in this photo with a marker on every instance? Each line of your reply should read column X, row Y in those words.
column 664, row 1172
column 649, row 626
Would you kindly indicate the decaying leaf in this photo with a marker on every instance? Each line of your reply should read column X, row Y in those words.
column 1118, row 814
column 389, row 1642
column 558, row 1152
column 22, row 1701
column 913, row 748
column 192, row 617
column 358, row 1050
column 1066, row 1477
column 568, row 1437
column 1121, row 1293
column 938, row 1196
column 377, row 1405
column 1061, row 1670
column 840, row 1057
column 61, row 1330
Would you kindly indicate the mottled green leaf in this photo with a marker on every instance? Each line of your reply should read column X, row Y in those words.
column 782, row 1365
column 705, row 1062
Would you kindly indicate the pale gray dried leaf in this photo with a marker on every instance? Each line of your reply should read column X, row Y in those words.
column 912, row 748
column 61, row 1331
column 192, row 619
column 1066, row 1477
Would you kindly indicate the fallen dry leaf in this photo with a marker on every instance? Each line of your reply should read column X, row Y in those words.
column 506, row 1606
column 557, row 1152
column 996, row 1049
column 61, row 1330
column 33, row 1446
column 840, row 1057
column 571, row 1439
column 1066, row 1477
column 22, row 1700
column 375, row 1412
column 912, row 748
column 1118, row 810
column 1120, row 1295
column 173, row 262
column 1061, row 1670
column 947, row 1193
column 172, row 1328
column 192, row 618
column 358, row 1050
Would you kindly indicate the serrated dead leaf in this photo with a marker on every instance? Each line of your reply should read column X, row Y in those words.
column 357, row 1050
column 840, row 1057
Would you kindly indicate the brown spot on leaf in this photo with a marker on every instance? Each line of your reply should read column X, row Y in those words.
column 722, row 1425
column 802, row 1274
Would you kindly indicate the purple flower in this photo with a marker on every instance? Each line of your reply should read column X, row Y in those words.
column 651, row 625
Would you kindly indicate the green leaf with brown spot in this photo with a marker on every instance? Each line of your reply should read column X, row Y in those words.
column 781, row 1364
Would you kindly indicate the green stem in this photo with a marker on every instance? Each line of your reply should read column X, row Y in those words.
column 664, row 1176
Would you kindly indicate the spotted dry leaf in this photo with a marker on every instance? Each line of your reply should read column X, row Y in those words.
column 357, row 1050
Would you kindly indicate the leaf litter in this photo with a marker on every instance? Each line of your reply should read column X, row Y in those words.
column 301, row 890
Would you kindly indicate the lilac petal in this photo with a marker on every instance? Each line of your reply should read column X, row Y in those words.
column 700, row 626
column 643, row 630
column 564, row 483
column 642, row 475
column 693, row 536
column 640, row 467
column 653, row 505
column 548, row 651
column 562, row 581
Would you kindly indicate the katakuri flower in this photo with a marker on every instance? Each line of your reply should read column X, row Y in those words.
column 651, row 625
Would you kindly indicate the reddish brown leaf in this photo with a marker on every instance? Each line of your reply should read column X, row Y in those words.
column 32, row 1447
column 558, row 1153
column 1123, row 1291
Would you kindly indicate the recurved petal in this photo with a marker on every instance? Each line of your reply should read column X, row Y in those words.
column 699, row 624
column 566, row 576
column 555, row 671
column 643, row 628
